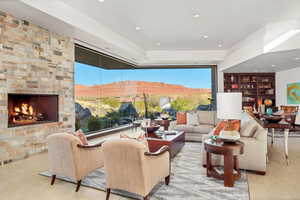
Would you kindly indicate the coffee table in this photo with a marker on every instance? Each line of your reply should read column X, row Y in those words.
column 175, row 142
column 230, row 151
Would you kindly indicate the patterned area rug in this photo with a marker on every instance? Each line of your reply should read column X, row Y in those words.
column 188, row 181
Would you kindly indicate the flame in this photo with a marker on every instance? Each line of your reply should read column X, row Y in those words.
column 24, row 109
column 17, row 109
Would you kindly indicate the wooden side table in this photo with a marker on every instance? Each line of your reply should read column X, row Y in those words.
column 230, row 151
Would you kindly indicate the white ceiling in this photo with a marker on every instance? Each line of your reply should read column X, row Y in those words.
column 110, row 27
column 270, row 62
column 171, row 22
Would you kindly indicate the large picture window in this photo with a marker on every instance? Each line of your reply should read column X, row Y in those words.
column 108, row 98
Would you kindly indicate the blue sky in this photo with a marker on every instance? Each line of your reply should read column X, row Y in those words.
column 191, row 78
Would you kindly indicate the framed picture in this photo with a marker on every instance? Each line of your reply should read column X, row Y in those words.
column 293, row 93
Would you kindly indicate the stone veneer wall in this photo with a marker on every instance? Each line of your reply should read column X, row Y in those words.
column 33, row 60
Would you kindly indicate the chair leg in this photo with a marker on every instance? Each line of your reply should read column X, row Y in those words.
column 167, row 180
column 146, row 198
column 78, row 185
column 53, row 179
column 107, row 193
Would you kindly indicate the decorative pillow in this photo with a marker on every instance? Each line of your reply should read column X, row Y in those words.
column 192, row 119
column 181, row 118
column 81, row 137
column 137, row 136
column 235, row 124
column 220, row 126
column 249, row 128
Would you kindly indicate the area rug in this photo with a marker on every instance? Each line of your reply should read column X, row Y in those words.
column 188, row 181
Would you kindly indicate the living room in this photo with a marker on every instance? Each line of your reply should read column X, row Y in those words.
column 166, row 90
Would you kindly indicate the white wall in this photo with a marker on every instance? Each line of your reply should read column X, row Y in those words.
column 282, row 79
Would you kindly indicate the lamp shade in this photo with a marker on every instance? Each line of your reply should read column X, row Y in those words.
column 229, row 105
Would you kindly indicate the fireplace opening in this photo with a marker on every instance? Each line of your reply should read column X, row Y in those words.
column 28, row 109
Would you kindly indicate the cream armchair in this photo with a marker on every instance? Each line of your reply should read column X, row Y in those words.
column 69, row 158
column 132, row 168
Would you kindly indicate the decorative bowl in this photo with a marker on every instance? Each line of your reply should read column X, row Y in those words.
column 151, row 129
column 273, row 119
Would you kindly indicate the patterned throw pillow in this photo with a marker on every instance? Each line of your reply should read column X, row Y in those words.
column 235, row 124
column 181, row 118
column 81, row 137
column 192, row 118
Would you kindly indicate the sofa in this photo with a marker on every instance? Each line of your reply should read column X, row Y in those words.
column 254, row 137
column 193, row 132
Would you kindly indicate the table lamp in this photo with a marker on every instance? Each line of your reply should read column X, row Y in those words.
column 229, row 107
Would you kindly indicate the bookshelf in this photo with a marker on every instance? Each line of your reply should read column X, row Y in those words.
column 255, row 87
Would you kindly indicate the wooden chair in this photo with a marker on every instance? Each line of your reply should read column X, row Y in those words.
column 289, row 109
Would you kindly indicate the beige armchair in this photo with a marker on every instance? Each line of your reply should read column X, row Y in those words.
column 132, row 168
column 69, row 158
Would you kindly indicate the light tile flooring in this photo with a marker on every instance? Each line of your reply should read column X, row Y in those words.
column 20, row 180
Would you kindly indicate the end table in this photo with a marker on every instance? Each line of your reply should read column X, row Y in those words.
column 230, row 151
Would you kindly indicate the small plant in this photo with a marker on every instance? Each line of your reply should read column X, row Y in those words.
column 93, row 124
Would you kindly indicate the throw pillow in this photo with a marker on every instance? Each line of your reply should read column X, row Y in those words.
column 249, row 128
column 222, row 125
column 181, row 118
column 81, row 137
column 192, row 119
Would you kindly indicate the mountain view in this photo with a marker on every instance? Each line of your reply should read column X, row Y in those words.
column 117, row 101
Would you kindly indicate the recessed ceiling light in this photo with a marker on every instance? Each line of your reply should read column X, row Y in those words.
column 158, row 44
column 273, row 65
column 101, row 1
column 138, row 28
column 297, row 58
column 205, row 36
column 196, row 16
column 220, row 45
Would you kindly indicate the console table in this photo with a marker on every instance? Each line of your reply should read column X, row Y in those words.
column 280, row 125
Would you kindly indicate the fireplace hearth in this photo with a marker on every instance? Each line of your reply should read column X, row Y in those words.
column 28, row 109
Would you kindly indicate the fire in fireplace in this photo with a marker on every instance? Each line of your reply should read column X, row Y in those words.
column 25, row 109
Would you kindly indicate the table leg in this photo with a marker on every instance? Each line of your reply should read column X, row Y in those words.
column 273, row 135
column 208, row 164
column 228, row 170
column 286, row 138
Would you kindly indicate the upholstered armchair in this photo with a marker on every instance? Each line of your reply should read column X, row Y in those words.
column 69, row 158
column 130, row 167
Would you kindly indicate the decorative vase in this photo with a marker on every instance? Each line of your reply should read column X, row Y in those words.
column 269, row 111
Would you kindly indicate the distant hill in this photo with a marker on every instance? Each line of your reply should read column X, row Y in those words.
column 136, row 88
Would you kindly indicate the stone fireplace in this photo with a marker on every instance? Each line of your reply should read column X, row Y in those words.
column 28, row 109
column 36, row 86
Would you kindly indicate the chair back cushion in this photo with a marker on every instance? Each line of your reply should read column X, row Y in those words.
column 61, row 148
column 297, row 120
column 206, row 117
column 124, row 164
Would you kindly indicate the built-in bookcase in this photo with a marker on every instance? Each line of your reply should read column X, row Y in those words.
column 255, row 87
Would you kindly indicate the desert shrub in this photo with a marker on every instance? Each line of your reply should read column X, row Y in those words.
column 93, row 123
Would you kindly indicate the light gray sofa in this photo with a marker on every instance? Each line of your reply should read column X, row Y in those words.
column 206, row 123
column 254, row 157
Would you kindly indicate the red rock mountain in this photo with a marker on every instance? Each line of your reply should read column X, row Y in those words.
column 133, row 88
